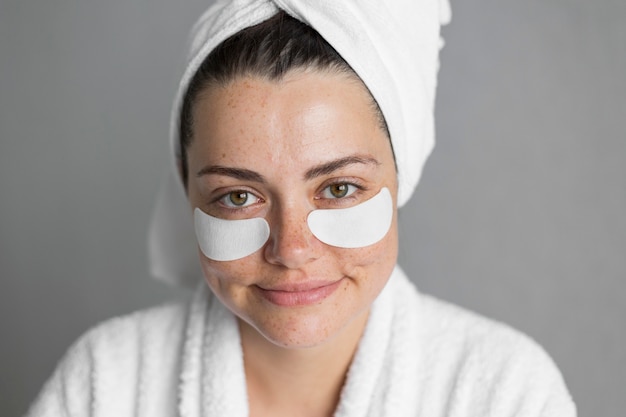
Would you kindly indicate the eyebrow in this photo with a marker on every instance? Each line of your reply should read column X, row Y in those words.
column 332, row 166
column 237, row 173
column 317, row 171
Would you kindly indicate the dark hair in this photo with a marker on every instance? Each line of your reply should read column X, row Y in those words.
column 268, row 50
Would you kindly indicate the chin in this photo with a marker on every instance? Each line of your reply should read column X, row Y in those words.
column 301, row 330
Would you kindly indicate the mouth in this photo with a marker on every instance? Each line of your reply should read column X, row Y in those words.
column 301, row 294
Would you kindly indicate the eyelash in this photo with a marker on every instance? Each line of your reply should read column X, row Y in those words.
column 338, row 201
column 341, row 200
column 229, row 206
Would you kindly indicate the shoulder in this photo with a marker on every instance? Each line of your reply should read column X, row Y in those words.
column 490, row 364
column 133, row 346
column 114, row 366
column 133, row 330
column 470, row 331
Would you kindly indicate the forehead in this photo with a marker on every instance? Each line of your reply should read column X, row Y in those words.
column 303, row 118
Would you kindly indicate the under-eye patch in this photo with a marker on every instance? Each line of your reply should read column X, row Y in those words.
column 227, row 240
column 354, row 227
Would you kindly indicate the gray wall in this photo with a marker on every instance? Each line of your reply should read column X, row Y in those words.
column 520, row 215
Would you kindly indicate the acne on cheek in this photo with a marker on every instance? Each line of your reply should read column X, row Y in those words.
column 355, row 262
column 241, row 272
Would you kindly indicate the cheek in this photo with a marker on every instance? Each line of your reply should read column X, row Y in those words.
column 371, row 266
column 228, row 279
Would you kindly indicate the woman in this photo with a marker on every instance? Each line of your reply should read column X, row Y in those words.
column 294, row 155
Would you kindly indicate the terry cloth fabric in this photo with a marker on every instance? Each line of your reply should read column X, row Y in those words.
column 392, row 45
column 418, row 357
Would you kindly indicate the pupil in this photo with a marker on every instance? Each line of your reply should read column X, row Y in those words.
column 238, row 198
column 339, row 190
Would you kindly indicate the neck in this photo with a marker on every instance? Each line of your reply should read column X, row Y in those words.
column 297, row 381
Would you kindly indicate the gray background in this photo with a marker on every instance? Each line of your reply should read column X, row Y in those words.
column 520, row 214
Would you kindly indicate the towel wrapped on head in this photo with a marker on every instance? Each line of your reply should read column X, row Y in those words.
column 393, row 46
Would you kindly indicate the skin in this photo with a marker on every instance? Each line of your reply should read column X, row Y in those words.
column 282, row 147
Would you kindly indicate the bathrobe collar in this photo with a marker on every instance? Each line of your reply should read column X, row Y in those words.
column 381, row 380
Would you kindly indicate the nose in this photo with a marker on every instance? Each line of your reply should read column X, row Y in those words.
column 291, row 244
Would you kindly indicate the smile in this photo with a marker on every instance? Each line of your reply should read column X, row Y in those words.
column 293, row 295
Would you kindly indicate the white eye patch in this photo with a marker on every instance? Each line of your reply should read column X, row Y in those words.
column 227, row 240
column 353, row 227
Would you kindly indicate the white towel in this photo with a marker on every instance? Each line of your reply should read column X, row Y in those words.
column 418, row 357
column 393, row 45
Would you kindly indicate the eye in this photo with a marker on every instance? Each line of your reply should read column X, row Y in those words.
column 238, row 199
column 338, row 190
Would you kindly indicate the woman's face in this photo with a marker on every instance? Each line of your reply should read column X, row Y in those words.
column 279, row 150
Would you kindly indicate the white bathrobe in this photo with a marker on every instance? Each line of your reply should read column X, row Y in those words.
column 418, row 357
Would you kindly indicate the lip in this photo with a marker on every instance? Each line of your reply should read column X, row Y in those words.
column 300, row 294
